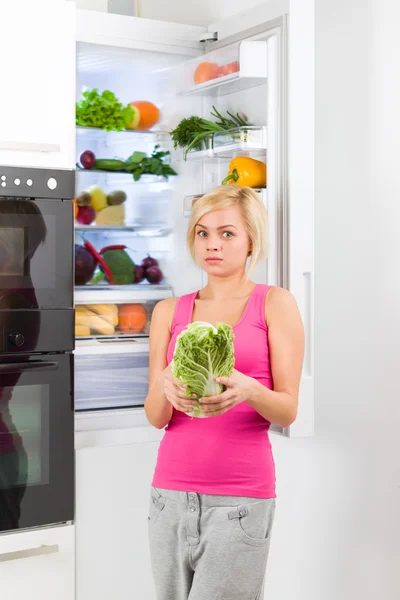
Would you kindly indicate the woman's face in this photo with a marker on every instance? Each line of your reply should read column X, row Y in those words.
column 221, row 242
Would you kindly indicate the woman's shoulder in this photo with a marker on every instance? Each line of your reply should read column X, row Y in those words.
column 279, row 302
column 166, row 309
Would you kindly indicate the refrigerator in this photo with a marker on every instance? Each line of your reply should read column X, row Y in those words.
column 157, row 62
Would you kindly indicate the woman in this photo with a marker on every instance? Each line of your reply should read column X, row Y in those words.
column 213, row 493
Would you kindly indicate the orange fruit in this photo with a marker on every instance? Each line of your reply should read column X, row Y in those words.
column 205, row 71
column 149, row 114
column 132, row 318
column 76, row 208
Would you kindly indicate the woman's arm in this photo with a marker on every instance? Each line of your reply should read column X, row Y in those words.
column 286, row 346
column 158, row 409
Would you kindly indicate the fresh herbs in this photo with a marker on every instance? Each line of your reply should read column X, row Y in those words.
column 139, row 164
column 191, row 131
column 103, row 111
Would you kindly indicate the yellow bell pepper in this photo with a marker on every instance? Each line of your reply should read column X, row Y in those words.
column 247, row 171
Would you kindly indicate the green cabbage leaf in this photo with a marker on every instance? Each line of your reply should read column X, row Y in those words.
column 203, row 352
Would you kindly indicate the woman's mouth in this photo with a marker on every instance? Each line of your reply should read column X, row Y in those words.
column 213, row 260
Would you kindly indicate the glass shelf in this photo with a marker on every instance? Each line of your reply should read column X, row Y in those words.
column 135, row 230
column 117, row 294
column 95, row 133
column 145, row 179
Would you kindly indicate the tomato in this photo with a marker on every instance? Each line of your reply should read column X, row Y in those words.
column 205, row 71
column 228, row 69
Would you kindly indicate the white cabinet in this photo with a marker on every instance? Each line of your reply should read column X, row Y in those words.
column 37, row 105
column 39, row 564
column 113, row 479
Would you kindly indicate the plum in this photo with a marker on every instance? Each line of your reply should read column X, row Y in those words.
column 149, row 262
column 138, row 274
column 87, row 159
column 154, row 275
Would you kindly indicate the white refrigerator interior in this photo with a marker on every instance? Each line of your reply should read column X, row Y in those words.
column 115, row 53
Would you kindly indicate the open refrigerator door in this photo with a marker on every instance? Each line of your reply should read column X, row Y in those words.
column 134, row 213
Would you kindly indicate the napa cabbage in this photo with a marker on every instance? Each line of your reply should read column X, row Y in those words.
column 203, row 352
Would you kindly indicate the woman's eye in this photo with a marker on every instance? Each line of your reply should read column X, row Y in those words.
column 227, row 234
column 201, row 233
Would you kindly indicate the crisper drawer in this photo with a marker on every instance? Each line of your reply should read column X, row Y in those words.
column 111, row 375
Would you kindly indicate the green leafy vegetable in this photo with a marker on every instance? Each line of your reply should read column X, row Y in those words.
column 138, row 164
column 191, row 131
column 103, row 111
column 203, row 352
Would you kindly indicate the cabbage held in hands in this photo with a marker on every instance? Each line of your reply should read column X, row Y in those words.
column 202, row 353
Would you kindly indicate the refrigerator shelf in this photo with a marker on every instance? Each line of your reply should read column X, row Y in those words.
column 144, row 180
column 134, row 230
column 121, row 294
column 95, row 133
column 233, row 68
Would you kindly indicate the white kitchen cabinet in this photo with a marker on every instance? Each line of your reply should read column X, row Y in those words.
column 38, row 564
column 114, row 469
column 37, row 116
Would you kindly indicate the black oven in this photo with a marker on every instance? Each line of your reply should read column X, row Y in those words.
column 36, row 347
column 36, row 440
column 36, row 259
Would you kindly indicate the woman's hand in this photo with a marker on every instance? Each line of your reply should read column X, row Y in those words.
column 238, row 389
column 174, row 391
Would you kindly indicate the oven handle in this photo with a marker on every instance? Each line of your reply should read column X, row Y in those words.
column 38, row 365
column 40, row 551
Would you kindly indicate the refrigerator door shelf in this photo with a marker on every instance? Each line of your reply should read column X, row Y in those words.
column 226, row 70
column 241, row 141
column 189, row 201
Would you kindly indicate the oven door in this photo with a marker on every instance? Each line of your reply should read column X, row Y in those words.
column 36, row 440
column 110, row 374
column 36, row 253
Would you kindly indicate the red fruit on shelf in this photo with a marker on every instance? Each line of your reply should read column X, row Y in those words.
column 154, row 275
column 86, row 215
column 138, row 274
column 87, row 159
column 149, row 262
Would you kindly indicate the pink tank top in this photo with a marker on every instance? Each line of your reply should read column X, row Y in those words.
column 231, row 454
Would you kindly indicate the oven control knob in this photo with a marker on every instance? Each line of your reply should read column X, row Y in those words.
column 16, row 339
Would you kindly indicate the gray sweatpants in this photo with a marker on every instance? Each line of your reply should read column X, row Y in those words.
column 207, row 547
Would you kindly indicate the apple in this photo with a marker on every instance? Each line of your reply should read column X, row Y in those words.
column 135, row 119
column 86, row 215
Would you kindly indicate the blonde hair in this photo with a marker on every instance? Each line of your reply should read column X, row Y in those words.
column 253, row 212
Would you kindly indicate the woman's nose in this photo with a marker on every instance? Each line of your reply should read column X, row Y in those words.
column 213, row 244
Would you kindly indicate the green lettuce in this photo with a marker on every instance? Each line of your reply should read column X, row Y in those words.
column 203, row 352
